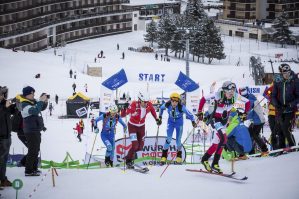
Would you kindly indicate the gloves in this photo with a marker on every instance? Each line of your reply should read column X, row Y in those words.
column 159, row 121
column 96, row 130
column 194, row 124
column 199, row 116
column 247, row 123
column 126, row 105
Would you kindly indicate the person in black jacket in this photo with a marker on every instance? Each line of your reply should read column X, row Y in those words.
column 6, row 110
column 285, row 97
column 33, row 124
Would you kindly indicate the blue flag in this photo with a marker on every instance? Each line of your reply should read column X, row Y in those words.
column 116, row 80
column 185, row 83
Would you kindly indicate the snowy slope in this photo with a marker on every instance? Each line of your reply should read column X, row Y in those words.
column 18, row 70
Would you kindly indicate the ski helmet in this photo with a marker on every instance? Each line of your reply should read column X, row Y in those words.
column 175, row 95
column 113, row 108
column 284, row 68
column 243, row 91
column 228, row 85
column 143, row 96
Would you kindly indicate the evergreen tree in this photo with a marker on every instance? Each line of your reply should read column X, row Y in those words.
column 151, row 35
column 282, row 34
column 214, row 46
column 166, row 31
column 195, row 10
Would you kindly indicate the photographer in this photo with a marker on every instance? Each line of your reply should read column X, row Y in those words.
column 32, row 125
column 6, row 110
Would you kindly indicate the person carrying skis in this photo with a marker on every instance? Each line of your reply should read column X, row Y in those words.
column 79, row 131
column 175, row 110
column 110, row 120
column 136, row 125
column 257, row 117
column 223, row 101
column 238, row 137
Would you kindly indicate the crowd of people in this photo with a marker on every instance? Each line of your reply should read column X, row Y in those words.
column 236, row 130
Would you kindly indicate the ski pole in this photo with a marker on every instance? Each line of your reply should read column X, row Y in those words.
column 156, row 143
column 188, row 135
column 125, row 145
column 92, row 150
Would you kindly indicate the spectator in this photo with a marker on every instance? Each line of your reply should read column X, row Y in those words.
column 51, row 108
column 79, row 131
column 156, row 56
column 85, row 86
column 75, row 75
column 102, row 53
column 74, row 87
column 56, row 99
column 33, row 124
column 81, row 123
column 92, row 123
column 117, row 46
column 6, row 110
column 123, row 55
column 161, row 57
column 71, row 73
column 285, row 97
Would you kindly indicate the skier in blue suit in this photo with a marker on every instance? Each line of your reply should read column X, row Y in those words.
column 110, row 120
column 175, row 121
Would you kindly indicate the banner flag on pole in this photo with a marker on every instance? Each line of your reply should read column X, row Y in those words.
column 116, row 80
column 185, row 83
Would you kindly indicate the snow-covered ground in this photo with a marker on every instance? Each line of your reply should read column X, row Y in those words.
column 268, row 177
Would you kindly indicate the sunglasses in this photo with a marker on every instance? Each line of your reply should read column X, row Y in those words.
column 173, row 100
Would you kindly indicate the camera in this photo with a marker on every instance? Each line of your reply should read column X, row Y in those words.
column 48, row 96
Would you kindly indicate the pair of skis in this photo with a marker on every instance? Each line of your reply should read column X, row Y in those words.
column 231, row 176
column 138, row 169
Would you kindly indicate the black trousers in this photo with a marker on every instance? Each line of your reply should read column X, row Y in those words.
column 233, row 145
column 33, row 143
column 254, row 131
column 22, row 138
column 277, row 136
column 285, row 120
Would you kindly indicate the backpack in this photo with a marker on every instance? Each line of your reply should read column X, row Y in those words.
column 16, row 122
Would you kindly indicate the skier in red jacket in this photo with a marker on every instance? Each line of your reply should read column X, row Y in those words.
column 136, row 125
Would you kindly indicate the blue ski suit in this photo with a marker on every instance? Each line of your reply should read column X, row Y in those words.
column 175, row 121
column 108, row 131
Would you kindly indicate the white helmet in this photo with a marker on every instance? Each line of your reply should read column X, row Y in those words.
column 113, row 108
column 143, row 96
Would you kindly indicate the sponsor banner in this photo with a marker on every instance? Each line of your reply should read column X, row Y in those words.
column 192, row 101
column 81, row 111
column 106, row 99
column 148, row 150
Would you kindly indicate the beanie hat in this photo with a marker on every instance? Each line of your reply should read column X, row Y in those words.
column 27, row 90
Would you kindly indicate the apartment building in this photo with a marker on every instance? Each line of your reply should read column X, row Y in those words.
column 252, row 10
column 33, row 25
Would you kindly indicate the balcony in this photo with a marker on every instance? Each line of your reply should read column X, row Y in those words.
column 243, row 1
column 282, row 1
column 241, row 9
column 20, row 44
column 9, row 1
column 76, row 28
column 68, row 19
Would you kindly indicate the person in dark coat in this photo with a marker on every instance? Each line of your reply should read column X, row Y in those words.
column 56, row 99
column 71, row 73
column 33, row 124
column 6, row 110
column 285, row 98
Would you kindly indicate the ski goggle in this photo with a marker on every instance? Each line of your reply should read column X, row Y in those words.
column 174, row 100
column 230, row 87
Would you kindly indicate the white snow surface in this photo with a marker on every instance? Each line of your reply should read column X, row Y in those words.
column 268, row 177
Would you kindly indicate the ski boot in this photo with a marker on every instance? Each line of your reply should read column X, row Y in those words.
column 178, row 157
column 205, row 162
column 216, row 168
column 242, row 157
column 130, row 164
column 164, row 156
column 265, row 154
column 107, row 161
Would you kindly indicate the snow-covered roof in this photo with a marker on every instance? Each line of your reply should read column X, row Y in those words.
column 151, row 2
